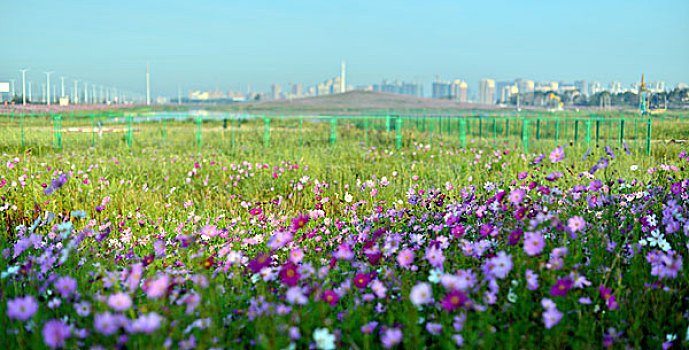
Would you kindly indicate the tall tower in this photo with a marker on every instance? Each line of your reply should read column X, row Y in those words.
column 148, row 84
column 343, row 84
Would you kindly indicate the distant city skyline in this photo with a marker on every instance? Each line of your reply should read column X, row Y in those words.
column 241, row 46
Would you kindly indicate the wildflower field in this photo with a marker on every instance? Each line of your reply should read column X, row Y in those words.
column 350, row 246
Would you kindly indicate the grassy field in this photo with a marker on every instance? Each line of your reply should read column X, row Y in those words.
column 226, row 243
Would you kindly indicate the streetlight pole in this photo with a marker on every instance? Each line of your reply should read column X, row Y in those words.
column 48, row 88
column 24, row 85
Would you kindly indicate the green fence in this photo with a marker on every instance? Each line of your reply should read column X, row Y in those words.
column 532, row 132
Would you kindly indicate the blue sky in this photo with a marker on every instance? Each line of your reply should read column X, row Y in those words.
column 230, row 44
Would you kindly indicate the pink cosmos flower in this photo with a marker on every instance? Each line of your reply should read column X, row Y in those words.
column 405, row 257
column 557, row 155
column 435, row 256
column 421, row 294
column 551, row 317
column 576, row 223
column 533, row 243
column 120, row 301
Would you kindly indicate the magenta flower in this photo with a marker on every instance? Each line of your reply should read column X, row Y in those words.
column 361, row 280
column 561, row 287
column 453, row 300
column 331, row 297
column 54, row 333
column 257, row 264
column 22, row 308
column 300, row 221
column 289, row 274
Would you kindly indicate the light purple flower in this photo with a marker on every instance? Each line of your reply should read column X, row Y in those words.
column 54, row 333
column 22, row 308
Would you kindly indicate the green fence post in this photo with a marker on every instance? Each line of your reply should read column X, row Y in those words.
column 398, row 132
column 635, row 137
column 507, row 128
column 22, row 119
column 57, row 127
column 621, row 131
column 597, row 132
column 266, row 132
column 93, row 130
column 557, row 130
column 232, row 122
column 432, row 122
column 538, row 129
column 587, row 137
column 333, row 131
column 387, row 123
column 301, row 130
column 480, row 127
column 495, row 131
column 525, row 134
column 129, row 131
column 366, row 130
column 463, row 132
column 648, row 137
column 576, row 130
column 199, row 135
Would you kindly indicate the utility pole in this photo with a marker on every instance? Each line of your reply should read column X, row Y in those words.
column 24, row 85
column 75, row 98
column 86, row 93
column 148, row 84
column 48, row 88
column 30, row 98
column 62, row 85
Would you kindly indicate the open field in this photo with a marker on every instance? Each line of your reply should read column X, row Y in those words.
column 193, row 233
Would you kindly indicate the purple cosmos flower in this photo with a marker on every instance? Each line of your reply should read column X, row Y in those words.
column 576, row 223
column 391, row 337
column 54, row 333
column 22, row 308
column 65, row 286
column 516, row 196
column 561, row 287
column 533, row 243
column 551, row 317
column 120, row 301
column 453, row 300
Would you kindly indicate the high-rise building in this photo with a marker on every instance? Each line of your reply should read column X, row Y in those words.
column 615, row 87
column 402, row 88
column 455, row 90
column 487, row 91
column 582, row 86
column 595, row 88
column 296, row 90
column 275, row 91
column 525, row 86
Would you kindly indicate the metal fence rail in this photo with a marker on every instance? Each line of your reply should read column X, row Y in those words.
column 529, row 131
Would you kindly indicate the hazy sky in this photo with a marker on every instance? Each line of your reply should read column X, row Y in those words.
column 201, row 43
